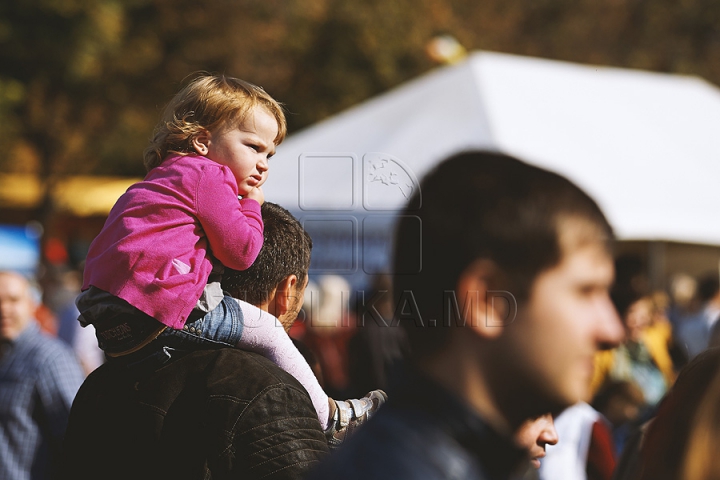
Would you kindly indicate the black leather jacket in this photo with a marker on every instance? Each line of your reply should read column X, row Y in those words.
column 424, row 432
column 220, row 414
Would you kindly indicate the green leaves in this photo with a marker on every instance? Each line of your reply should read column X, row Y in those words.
column 82, row 82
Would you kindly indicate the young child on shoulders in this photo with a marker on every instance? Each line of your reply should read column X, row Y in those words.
column 153, row 273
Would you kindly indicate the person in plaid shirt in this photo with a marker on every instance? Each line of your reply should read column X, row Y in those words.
column 39, row 377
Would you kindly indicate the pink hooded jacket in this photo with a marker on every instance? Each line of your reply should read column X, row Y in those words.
column 153, row 250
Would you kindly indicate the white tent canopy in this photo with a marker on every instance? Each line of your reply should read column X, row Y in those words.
column 645, row 145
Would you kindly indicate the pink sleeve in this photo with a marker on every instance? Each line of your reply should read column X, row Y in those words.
column 233, row 227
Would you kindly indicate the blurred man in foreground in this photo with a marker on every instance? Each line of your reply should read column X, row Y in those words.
column 501, row 282
column 39, row 376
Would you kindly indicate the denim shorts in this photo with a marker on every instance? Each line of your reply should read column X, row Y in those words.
column 221, row 327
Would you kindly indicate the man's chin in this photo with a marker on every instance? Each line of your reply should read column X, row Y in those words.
column 571, row 396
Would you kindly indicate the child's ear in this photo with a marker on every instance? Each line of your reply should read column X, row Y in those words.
column 201, row 142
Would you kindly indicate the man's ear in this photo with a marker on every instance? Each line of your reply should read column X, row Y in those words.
column 475, row 299
column 201, row 142
column 285, row 295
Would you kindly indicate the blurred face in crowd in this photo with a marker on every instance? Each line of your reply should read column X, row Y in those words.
column 16, row 305
column 534, row 435
column 567, row 318
column 625, row 406
column 637, row 318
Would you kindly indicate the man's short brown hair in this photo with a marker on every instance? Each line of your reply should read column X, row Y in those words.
column 484, row 206
column 286, row 251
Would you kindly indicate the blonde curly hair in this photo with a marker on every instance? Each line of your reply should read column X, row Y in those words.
column 208, row 102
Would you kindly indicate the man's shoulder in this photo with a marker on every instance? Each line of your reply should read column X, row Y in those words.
column 246, row 359
column 251, row 418
column 400, row 443
column 425, row 432
column 224, row 371
column 238, row 370
column 39, row 347
column 45, row 362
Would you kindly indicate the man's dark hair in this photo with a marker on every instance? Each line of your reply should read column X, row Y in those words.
column 482, row 205
column 630, row 284
column 624, row 297
column 286, row 251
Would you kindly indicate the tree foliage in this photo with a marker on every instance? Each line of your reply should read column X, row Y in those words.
column 82, row 81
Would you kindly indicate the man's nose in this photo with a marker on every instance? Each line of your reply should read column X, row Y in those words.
column 549, row 435
column 610, row 330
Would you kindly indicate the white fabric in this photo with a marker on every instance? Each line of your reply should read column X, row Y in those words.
column 567, row 460
column 644, row 145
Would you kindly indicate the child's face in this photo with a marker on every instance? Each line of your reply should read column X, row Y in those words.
column 245, row 149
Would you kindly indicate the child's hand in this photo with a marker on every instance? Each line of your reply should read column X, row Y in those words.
column 257, row 195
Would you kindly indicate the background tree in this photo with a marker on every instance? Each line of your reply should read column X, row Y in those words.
column 82, row 81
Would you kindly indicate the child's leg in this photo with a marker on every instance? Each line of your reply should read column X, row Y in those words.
column 263, row 333
column 239, row 324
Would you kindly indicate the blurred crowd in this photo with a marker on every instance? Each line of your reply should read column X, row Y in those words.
column 57, row 314
column 617, row 434
column 667, row 332
column 654, row 397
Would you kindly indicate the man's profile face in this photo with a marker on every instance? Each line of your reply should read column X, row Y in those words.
column 534, row 435
column 567, row 318
column 16, row 305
